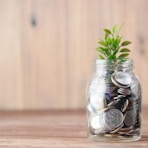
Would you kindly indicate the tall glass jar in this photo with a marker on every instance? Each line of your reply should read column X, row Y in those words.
column 114, row 103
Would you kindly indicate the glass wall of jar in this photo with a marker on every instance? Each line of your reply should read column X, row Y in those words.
column 114, row 103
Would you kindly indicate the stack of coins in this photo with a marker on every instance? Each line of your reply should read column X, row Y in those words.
column 119, row 114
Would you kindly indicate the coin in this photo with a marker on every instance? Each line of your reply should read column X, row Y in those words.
column 125, row 106
column 119, row 97
column 130, row 118
column 98, row 121
column 95, row 122
column 132, row 106
column 124, row 91
column 121, row 79
column 99, row 131
column 111, row 135
column 125, row 129
column 117, row 129
column 134, row 131
column 113, row 119
column 112, row 104
column 130, row 132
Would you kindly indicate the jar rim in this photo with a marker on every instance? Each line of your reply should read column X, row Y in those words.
column 104, row 61
column 109, row 64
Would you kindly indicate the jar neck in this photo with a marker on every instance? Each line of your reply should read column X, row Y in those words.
column 126, row 66
column 107, row 65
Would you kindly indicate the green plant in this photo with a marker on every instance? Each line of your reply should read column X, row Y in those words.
column 112, row 47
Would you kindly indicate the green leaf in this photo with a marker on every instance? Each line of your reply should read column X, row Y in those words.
column 102, row 43
column 112, row 46
column 112, row 57
column 107, row 31
column 109, row 40
column 106, row 35
column 116, row 42
column 101, row 50
column 122, row 56
column 125, row 50
column 125, row 43
column 114, row 28
column 101, row 57
column 115, row 52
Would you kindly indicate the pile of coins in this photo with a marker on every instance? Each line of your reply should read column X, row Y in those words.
column 119, row 115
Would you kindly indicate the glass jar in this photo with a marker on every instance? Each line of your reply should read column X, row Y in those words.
column 114, row 103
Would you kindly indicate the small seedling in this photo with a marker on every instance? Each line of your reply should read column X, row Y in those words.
column 112, row 47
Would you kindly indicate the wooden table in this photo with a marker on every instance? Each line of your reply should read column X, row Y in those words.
column 54, row 129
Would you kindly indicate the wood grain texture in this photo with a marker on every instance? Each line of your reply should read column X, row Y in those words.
column 55, row 129
column 47, row 48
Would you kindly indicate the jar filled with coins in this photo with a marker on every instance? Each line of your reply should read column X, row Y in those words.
column 114, row 102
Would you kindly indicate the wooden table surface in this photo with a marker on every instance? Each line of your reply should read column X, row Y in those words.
column 54, row 129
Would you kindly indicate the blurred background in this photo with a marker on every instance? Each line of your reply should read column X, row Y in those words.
column 47, row 48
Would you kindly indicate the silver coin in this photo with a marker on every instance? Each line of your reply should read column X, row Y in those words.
column 99, row 131
column 119, row 97
column 126, row 129
column 134, row 131
column 98, row 120
column 112, row 104
column 124, row 91
column 125, row 106
column 130, row 132
column 121, row 79
column 130, row 118
column 117, row 129
column 132, row 106
column 113, row 119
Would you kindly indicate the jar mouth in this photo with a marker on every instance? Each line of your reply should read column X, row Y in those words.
column 109, row 64
column 103, row 61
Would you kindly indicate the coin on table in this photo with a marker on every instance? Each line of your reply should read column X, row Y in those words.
column 113, row 119
column 121, row 79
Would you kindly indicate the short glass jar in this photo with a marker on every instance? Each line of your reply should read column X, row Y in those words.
column 114, row 103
